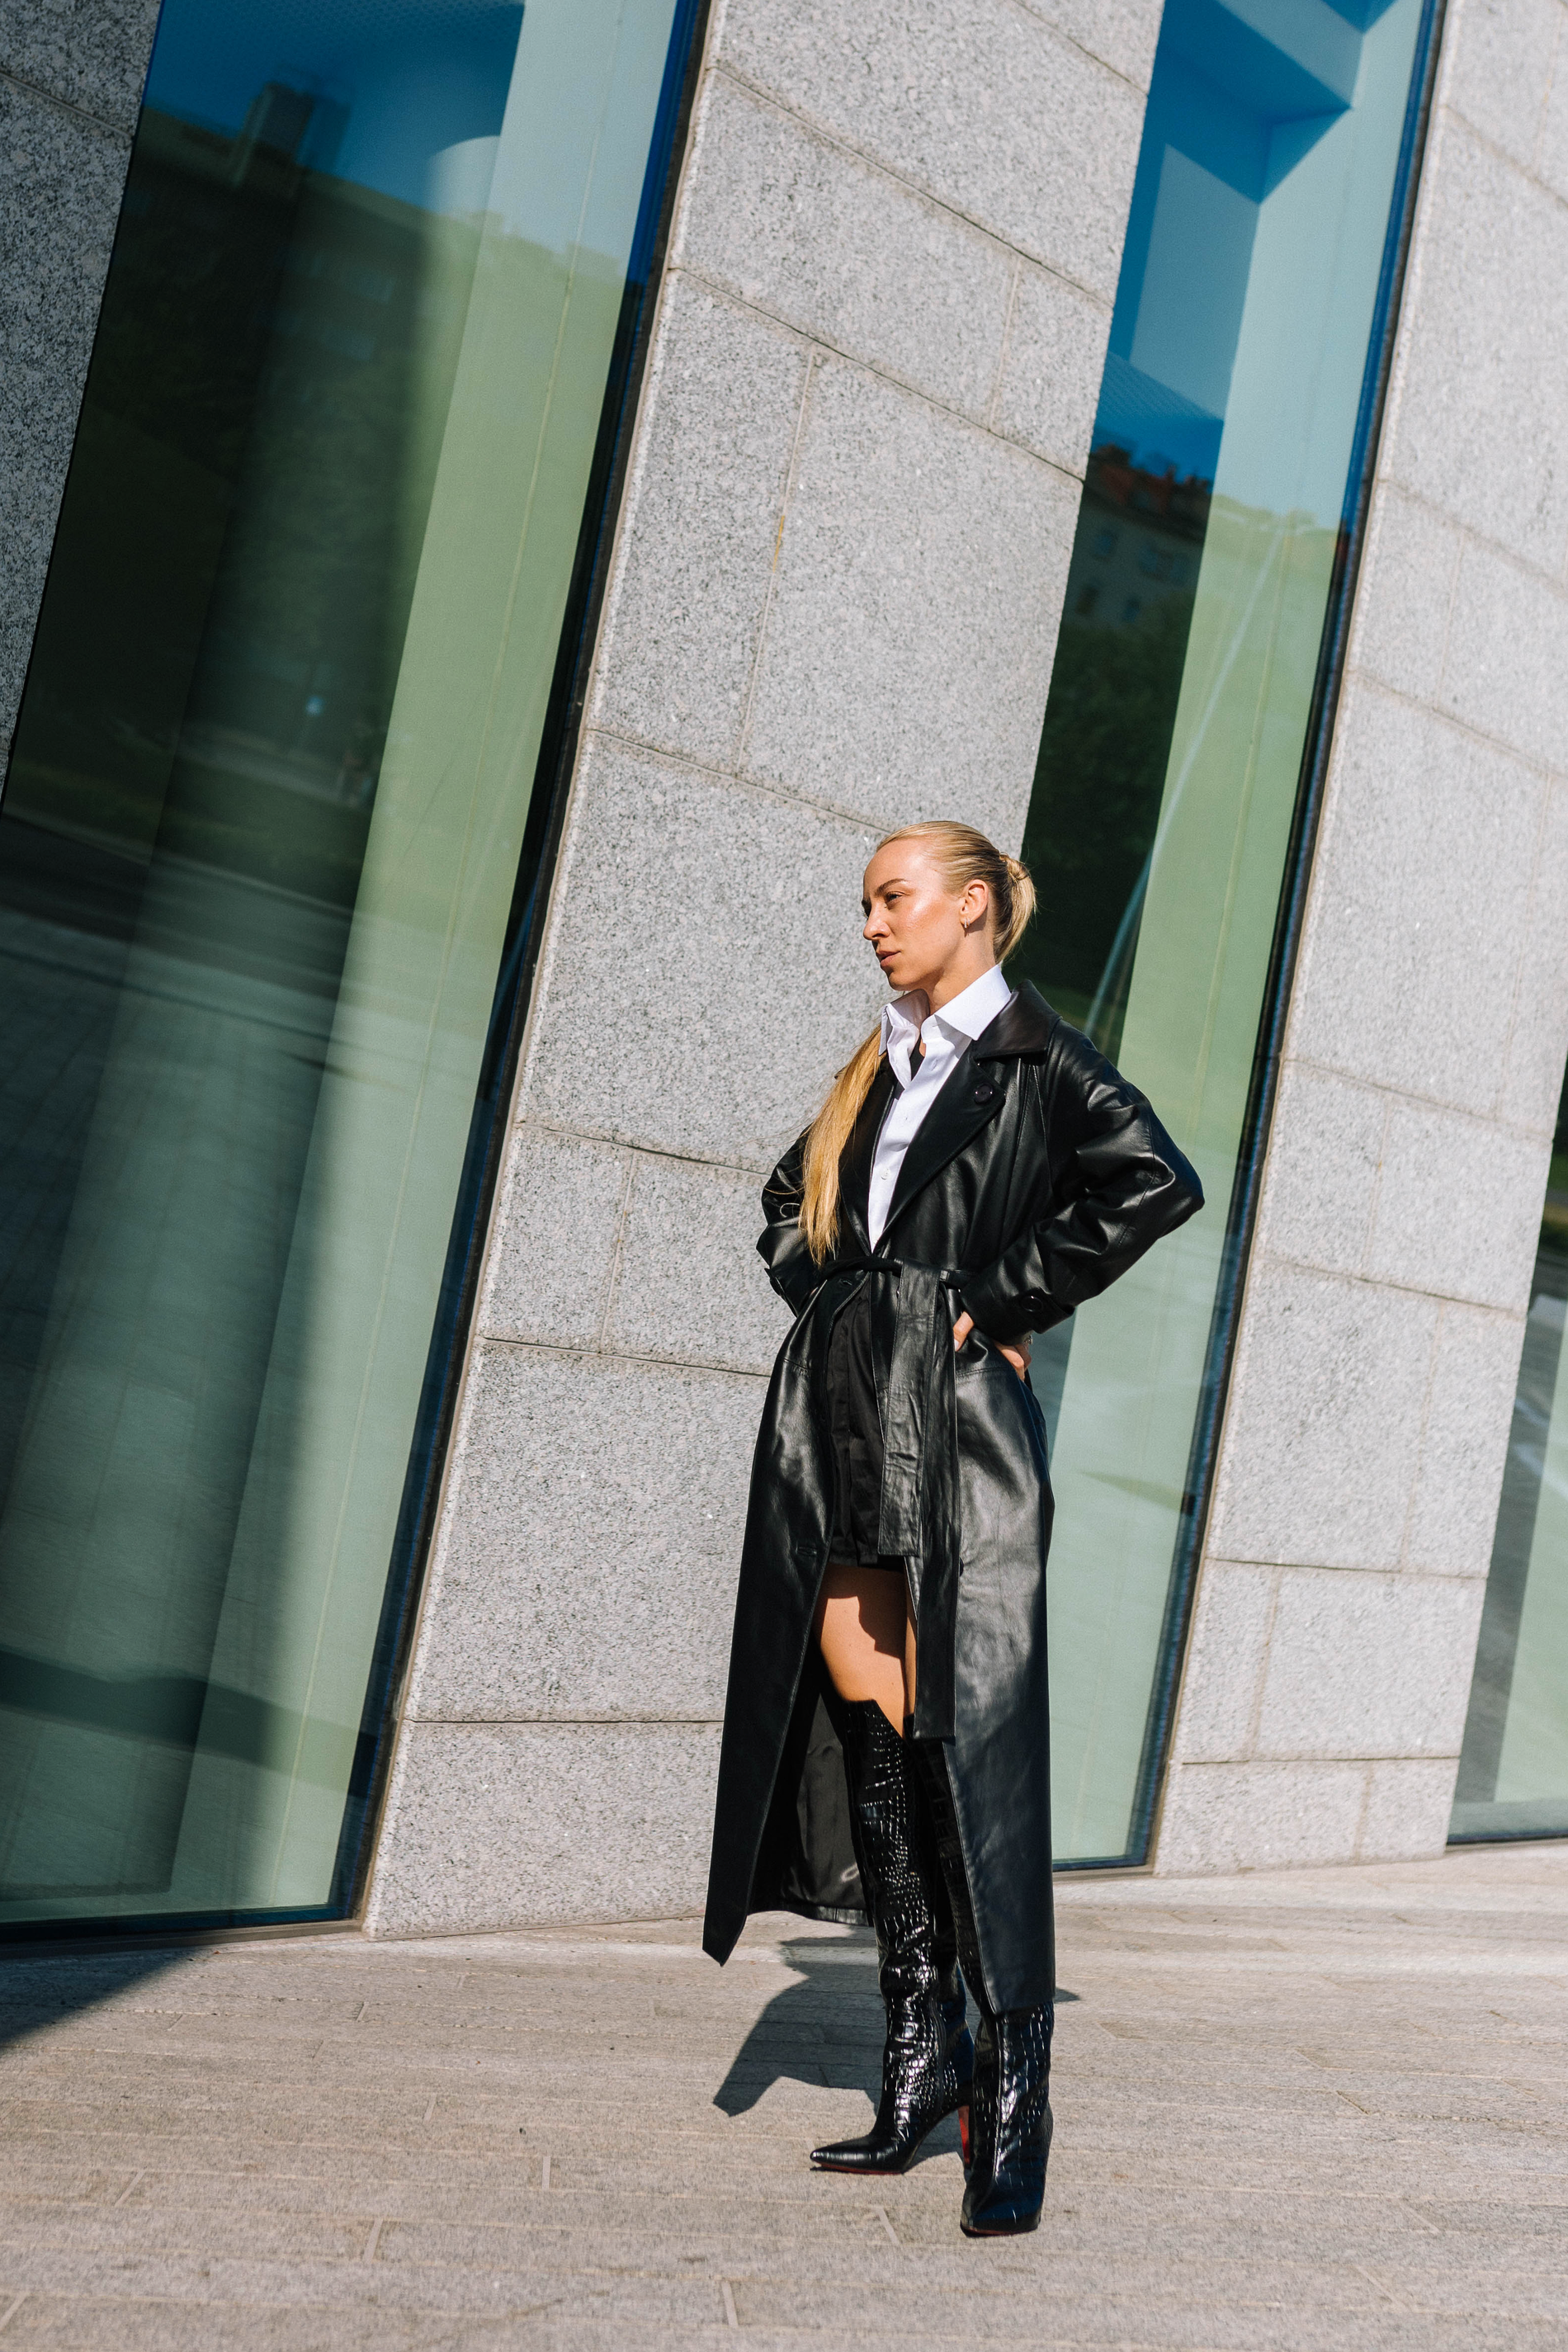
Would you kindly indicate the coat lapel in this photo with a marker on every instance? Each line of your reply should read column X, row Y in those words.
column 973, row 1094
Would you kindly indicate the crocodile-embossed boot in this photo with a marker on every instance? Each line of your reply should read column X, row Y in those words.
column 928, row 2058
column 1009, row 2108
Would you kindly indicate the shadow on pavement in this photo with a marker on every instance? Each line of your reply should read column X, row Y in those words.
column 826, row 2031
column 38, row 1989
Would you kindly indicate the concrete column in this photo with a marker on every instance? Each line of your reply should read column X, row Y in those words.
column 833, row 605
column 1336, row 1616
column 70, row 84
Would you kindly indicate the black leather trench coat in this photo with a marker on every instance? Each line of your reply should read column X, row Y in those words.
column 1038, row 1175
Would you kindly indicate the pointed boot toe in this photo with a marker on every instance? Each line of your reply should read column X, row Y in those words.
column 868, row 2155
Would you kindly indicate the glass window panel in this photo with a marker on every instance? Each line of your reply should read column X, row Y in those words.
column 1224, row 452
column 1513, row 1771
column 258, row 850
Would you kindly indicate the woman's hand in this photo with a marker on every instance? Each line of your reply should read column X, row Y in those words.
column 1018, row 1352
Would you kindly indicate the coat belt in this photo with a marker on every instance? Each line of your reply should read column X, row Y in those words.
column 911, row 1327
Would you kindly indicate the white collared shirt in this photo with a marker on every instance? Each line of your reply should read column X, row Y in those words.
column 944, row 1035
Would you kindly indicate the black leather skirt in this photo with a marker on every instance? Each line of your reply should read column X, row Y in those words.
column 856, row 1430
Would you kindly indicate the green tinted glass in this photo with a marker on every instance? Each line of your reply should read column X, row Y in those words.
column 1513, row 1771
column 1224, row 452
column 257, row 853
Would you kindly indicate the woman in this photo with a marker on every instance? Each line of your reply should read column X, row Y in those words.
column 977, row 1171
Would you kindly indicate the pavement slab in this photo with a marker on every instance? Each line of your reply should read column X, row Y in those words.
column 1313, row 2111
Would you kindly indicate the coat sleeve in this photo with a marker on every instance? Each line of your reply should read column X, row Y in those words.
column 792, row 1269
column 1117, row 1183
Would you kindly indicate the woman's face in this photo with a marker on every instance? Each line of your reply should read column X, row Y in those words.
column 917, row 927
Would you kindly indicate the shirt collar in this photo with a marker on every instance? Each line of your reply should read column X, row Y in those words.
column 901, row 1020
column 972, row 1011
column 967, row 1015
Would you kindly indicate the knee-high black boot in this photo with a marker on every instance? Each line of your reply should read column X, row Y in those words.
column 1009, row 2107
column 928, row 2058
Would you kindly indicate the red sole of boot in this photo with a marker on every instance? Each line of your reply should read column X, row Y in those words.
column 964, row 2135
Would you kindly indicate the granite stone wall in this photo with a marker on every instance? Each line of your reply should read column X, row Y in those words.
column 1327, row 1678
column 70, row 84
column 835, row 597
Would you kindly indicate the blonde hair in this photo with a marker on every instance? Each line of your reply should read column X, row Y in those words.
column 960, row 857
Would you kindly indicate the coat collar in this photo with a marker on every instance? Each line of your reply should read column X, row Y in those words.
column 1025, row 1026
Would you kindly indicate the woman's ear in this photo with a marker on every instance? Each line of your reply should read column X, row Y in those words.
column 976, row 905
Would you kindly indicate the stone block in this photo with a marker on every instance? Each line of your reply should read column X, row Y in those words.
column 1404, row 594
column 1407, row 1808
column 1322, row 1434
column 1479, row 425
column 700, row 527
column 92, row 53
column 1538, row 1042
column 843, row 251
column 1499, row 69
column 1125, row 33
column 1368, row 1666
column 61, row 179
column 705, row 962
column 985, row 105
column 507, row 1825
column 1459, row 1206
column 1220, row 1818
column 1464, row 1440
column 920, row 583
column 1226, row 1652
column 1420, row 896
column 691, row 1283
column 1051, row 378
column 1325, row 1145
column 590, row 1543
column 1504, row 675
column 553, row 1244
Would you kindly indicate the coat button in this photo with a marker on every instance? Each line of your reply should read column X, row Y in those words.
column 984, row 1094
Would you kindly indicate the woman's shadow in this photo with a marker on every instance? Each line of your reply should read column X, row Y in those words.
column 826, row 2031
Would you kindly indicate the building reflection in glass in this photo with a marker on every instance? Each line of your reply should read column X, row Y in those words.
column 259, row 838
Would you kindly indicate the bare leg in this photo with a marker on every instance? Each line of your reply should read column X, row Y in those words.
column 867, row 1638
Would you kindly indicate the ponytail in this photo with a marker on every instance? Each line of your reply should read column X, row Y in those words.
column 1013, row 917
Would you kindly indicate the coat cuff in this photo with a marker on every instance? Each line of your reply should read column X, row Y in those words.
column 1000, row 1317
column 1006, row 1318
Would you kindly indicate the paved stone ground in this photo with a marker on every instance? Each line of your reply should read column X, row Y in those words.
column 1318, row 2109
